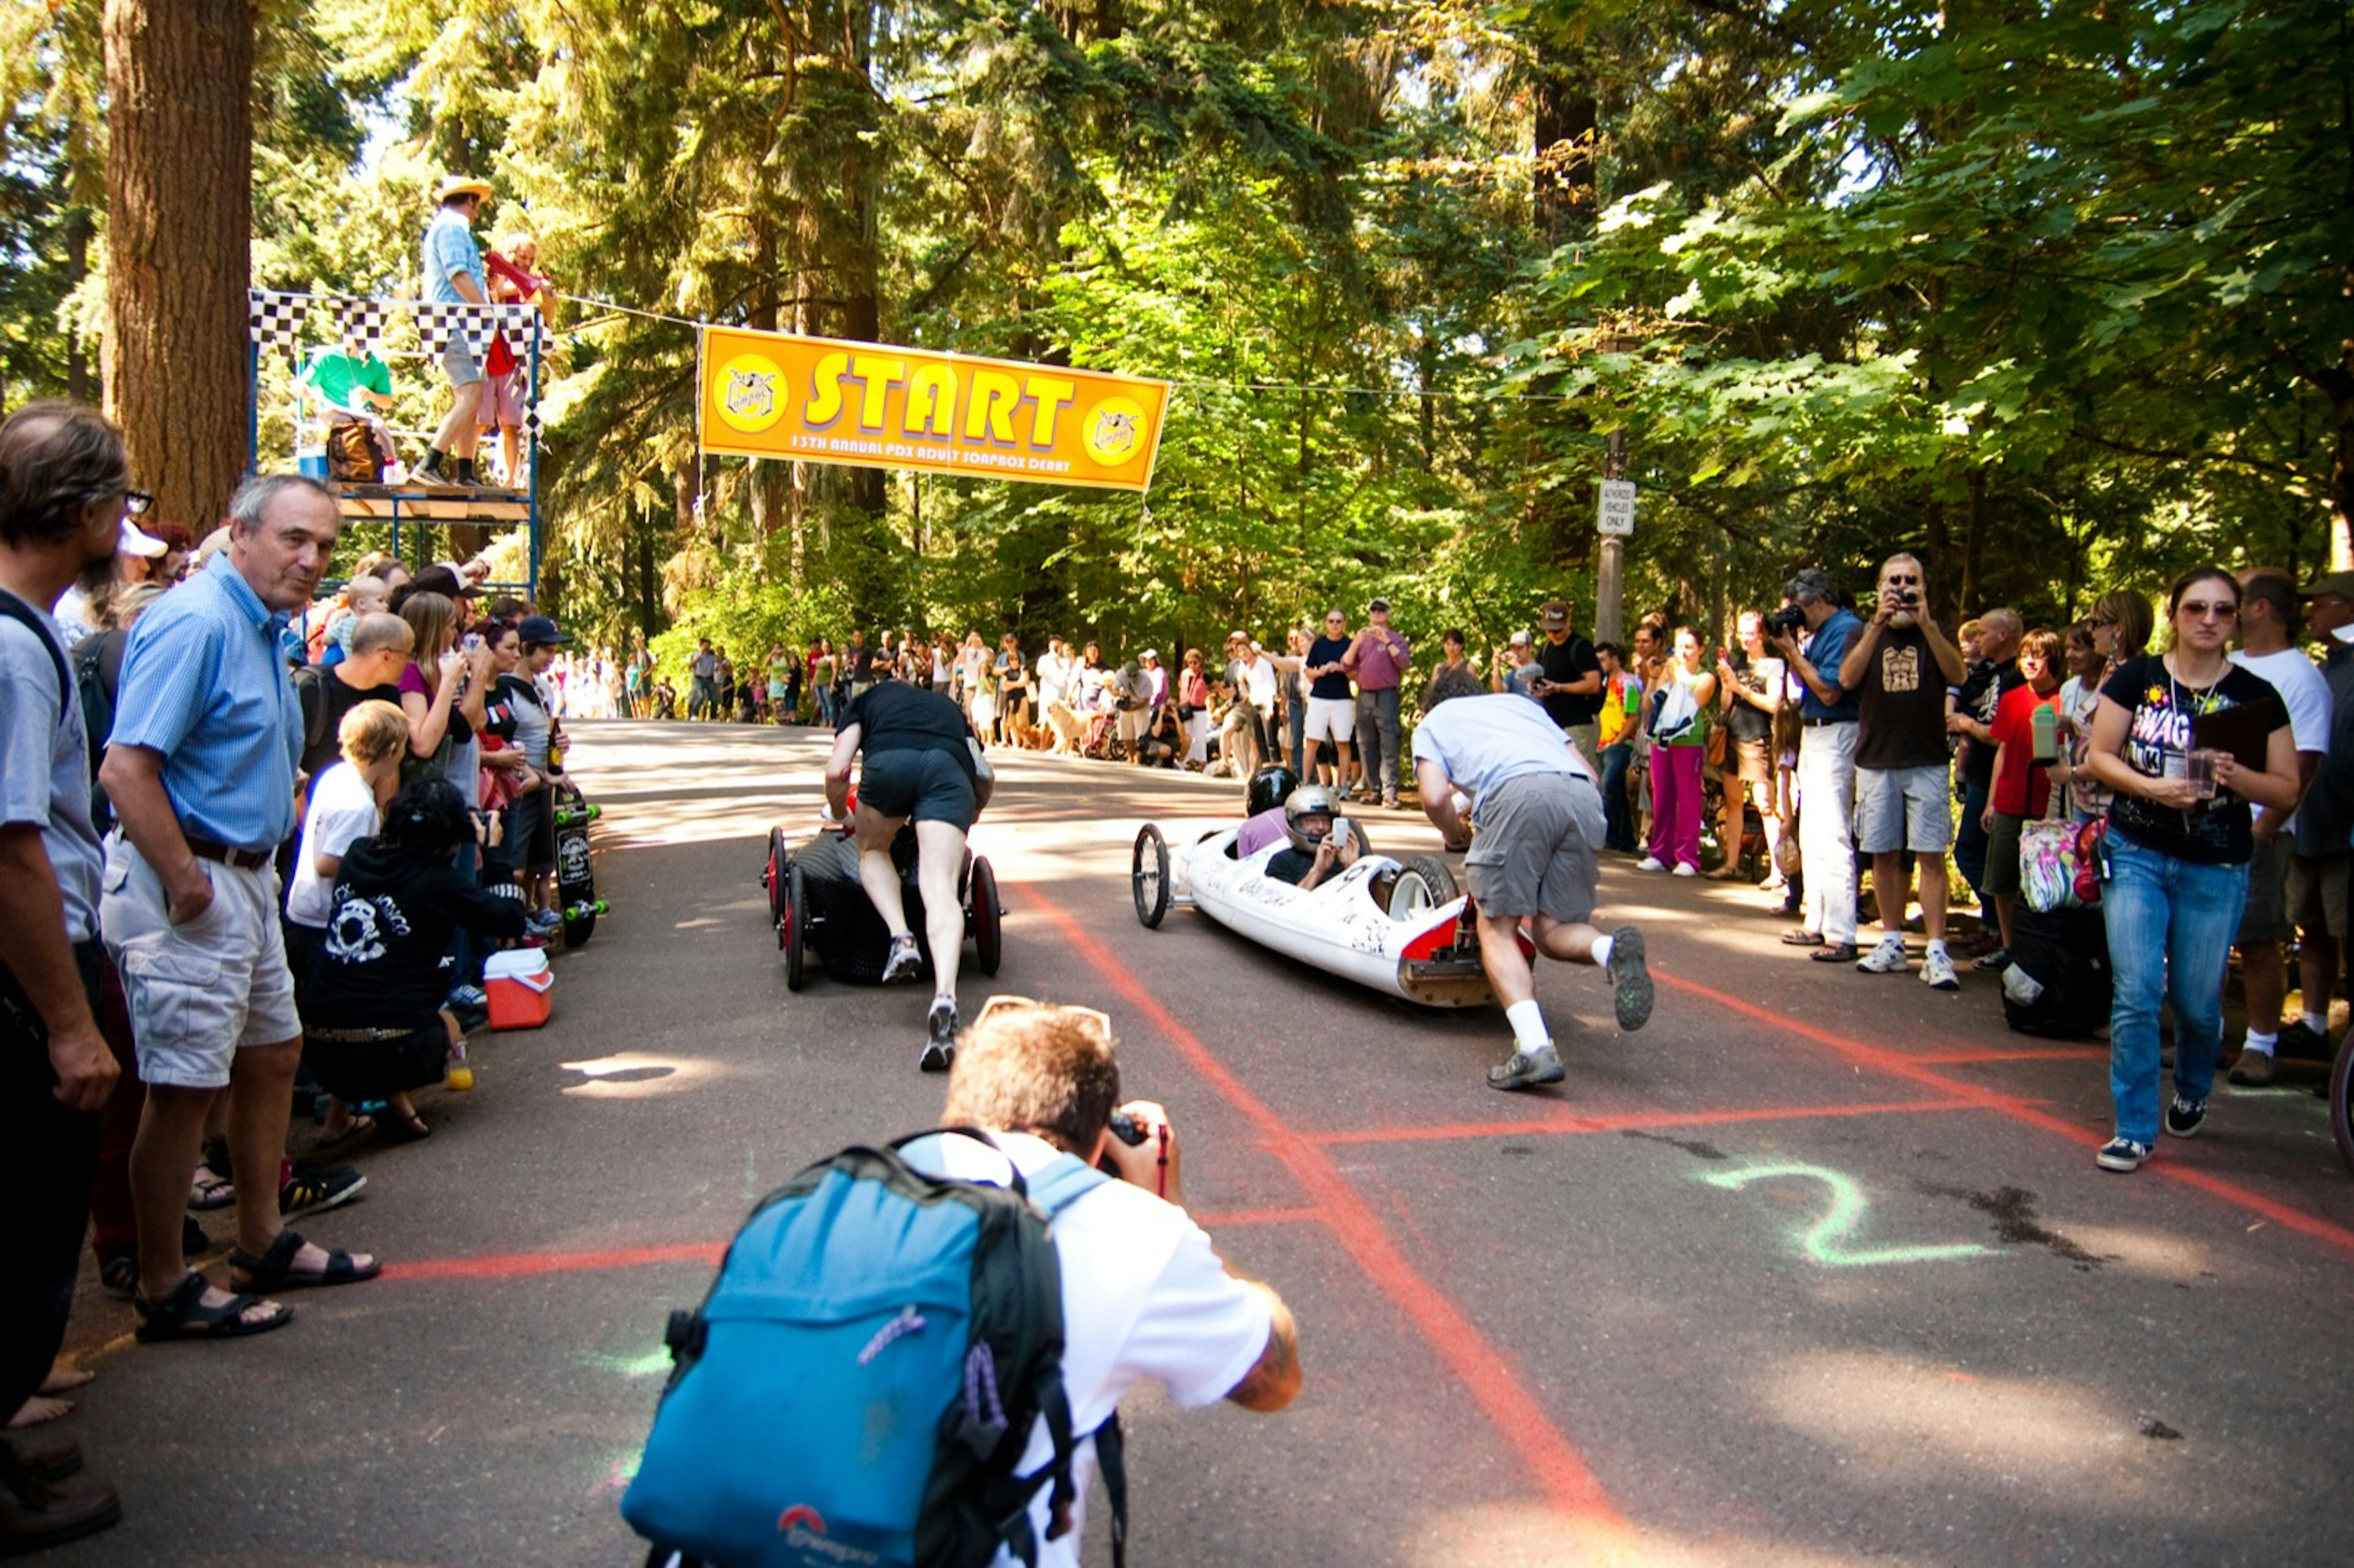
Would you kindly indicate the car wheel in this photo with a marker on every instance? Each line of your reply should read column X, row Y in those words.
column 1422, row 883
column 2341, row 1101
column 793, row 927
column 1148, row 875
column 987, row 916
column 773, row 879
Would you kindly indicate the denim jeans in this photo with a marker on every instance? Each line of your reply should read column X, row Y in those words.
column 1619, row 832
column 2170, row 927
column 1377, row 740
column 1970, row 840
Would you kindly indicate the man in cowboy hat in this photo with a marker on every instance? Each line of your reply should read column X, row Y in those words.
column 453, row 269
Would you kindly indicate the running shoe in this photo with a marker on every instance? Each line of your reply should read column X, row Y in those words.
column 1888, row 958
column 1686, row 868
column 315, row 1187
column 905, row 959
column 466, row 996
column 1527, row 1069
column 1630, row 979
column 2121, row 1154
column 940, row 1031
column 1997, row 959
column 2185, row 1116
column 546, row 920
column 1938, row 971
column 1650, row 863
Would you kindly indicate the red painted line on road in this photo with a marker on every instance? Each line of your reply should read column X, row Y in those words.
column 522, row 1264
column 1911, row 1067
column 1481, row 1368
column 1572, row 1125
column 2001, row 1054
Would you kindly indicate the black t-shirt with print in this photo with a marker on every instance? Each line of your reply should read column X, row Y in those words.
column 2157, row 741
column 386, row 962
column 1901, row 705
column 1982, row 691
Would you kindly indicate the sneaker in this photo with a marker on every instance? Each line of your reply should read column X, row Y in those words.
column 546, row 920
column 2254, row 1070
column 1888, row 958
column 2299, row 1039
column 469, row 996
column 940, row 1031
column 905, row 959
column 1630, row 979
column 2121, row 1154
column 1938, row 971
column 1650, row 863
column 1997, row 959
column 1685, row 868
column 1527, row 1069
column 315, row 1187
column 2184, row 1116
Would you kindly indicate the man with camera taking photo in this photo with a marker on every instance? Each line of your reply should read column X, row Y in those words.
column 1898, row 667
column 1145, row 1296
column 1826, row 760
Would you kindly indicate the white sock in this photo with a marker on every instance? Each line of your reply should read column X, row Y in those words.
column 2319, row 1022
column 1528, row 1025
column 1937, row 944
column 2262, row 1044
column 1602, row 947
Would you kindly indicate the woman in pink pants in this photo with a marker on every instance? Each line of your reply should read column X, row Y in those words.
column 1680, row 719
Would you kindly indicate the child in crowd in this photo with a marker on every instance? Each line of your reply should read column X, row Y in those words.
column 373, row 1024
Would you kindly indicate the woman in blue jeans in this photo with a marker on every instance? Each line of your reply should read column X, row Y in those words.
column 2178, row 848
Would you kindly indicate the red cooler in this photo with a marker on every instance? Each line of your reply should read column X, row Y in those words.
column 519, row 983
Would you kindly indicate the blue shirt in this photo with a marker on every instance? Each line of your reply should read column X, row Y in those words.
column 45, row 763
column 203, row 684
column 1825, row 649
column 450, row 248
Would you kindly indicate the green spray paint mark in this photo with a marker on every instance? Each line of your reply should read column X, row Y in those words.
column 1825, row 1242
column 653, row 1364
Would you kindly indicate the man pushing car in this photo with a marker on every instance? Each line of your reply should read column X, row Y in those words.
column 1541, row 825
column 922, row 762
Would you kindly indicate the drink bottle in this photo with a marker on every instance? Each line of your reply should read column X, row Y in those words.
column 459, row 1077
column 2045, row 722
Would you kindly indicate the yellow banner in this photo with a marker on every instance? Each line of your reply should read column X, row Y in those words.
column 773, row 395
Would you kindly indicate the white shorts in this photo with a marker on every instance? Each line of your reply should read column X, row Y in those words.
column 1331, row 718
column 201, row 991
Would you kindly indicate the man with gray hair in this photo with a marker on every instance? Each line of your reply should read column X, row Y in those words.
column 202, row 769
column 1827, row 715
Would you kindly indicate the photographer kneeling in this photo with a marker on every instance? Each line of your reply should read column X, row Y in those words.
column 375, row 1025
column 1145, row 1297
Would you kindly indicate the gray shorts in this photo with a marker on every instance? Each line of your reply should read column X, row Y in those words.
column 2317, row 893
column 1534, row 853
column 459, row 364
column 2264, row 917
column 201, row 991
column 1904, row 808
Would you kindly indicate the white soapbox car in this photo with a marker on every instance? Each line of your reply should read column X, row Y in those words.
column 1397, row 926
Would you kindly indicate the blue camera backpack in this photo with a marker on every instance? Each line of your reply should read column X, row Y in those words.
column 858, row 1387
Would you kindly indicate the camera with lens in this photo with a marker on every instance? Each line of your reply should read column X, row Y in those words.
column 1127, row 1129
column 1787, row 622
column 1909, row 599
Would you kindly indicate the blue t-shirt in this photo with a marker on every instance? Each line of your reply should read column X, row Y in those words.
column 450, row 248
column 1328, row 650
column 1824, row 652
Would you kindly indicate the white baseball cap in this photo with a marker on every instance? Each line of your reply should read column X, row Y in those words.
column 132, row 542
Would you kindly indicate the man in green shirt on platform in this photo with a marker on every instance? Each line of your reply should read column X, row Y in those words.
column 354, row 383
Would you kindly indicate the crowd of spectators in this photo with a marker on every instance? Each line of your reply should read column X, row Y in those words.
column 256, row 845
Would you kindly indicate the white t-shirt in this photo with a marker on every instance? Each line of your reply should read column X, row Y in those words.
column 1258, row 673
column 343, row 809
column 1144, row 1298
column 2302, row 690
column 1054, row 674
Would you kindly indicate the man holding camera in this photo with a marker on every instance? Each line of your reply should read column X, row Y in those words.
column 1898, row 667
column 1826, row 760
column 1145, row 1296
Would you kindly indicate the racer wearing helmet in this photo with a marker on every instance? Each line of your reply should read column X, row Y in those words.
column 1322, row 841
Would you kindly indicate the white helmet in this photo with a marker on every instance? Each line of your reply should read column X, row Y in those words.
column 1309, row 800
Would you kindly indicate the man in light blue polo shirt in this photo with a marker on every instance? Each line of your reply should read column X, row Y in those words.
column 451, row 268
column 201, row 769
column 1827, row 715
column 1540, row 828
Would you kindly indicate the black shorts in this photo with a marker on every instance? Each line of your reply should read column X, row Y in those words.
column 928, row 786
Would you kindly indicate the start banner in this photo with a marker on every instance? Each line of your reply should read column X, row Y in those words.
column 773, row 395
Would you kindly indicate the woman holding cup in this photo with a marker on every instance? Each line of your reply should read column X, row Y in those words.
column 2177, row 852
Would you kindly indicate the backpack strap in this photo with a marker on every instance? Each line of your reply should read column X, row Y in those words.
column 1061, row 1182
column 313, row 695
column 16, row 610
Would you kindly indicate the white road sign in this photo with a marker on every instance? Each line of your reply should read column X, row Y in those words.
column 1616, row 515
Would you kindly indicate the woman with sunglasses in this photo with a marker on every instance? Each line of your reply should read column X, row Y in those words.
column 2178, row 849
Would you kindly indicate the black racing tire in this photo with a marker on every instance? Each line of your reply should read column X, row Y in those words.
column 793, row 928
column 1147, row 877
column 772, row 877
column 1422, row 883
column 985, row 915
column 2341, row 1101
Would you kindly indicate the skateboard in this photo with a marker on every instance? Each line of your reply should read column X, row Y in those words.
column 576, row 870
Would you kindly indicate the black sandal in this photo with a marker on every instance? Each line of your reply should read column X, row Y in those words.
column 274, row 1270
column 183, row 1315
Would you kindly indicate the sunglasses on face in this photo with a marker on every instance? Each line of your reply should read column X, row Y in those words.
column 1001, row 1006
column 2201, row 611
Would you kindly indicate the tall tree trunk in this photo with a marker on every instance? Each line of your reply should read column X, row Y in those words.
column 80, row 230
column 1974, row 546
column 179, row 191
column 1567, row 115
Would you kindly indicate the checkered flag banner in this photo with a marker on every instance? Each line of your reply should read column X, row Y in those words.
column 361, row 322
column 274, row 320
column 438, row 324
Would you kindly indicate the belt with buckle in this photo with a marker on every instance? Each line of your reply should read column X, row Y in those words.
column 242, row 859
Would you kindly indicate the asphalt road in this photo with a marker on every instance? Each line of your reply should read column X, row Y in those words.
column 1816, row 1270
